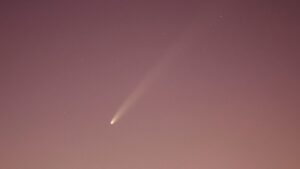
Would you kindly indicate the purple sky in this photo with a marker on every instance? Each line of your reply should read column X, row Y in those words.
column 228, row 98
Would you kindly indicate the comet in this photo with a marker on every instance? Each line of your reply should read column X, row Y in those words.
column 152, row 75
column 148, row 80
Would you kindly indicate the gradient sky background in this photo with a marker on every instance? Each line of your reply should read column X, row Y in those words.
column 228, row 99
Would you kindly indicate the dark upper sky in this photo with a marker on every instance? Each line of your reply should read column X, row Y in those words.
column 228, row 98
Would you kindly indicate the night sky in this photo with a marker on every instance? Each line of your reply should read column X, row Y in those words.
column 224, row 88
